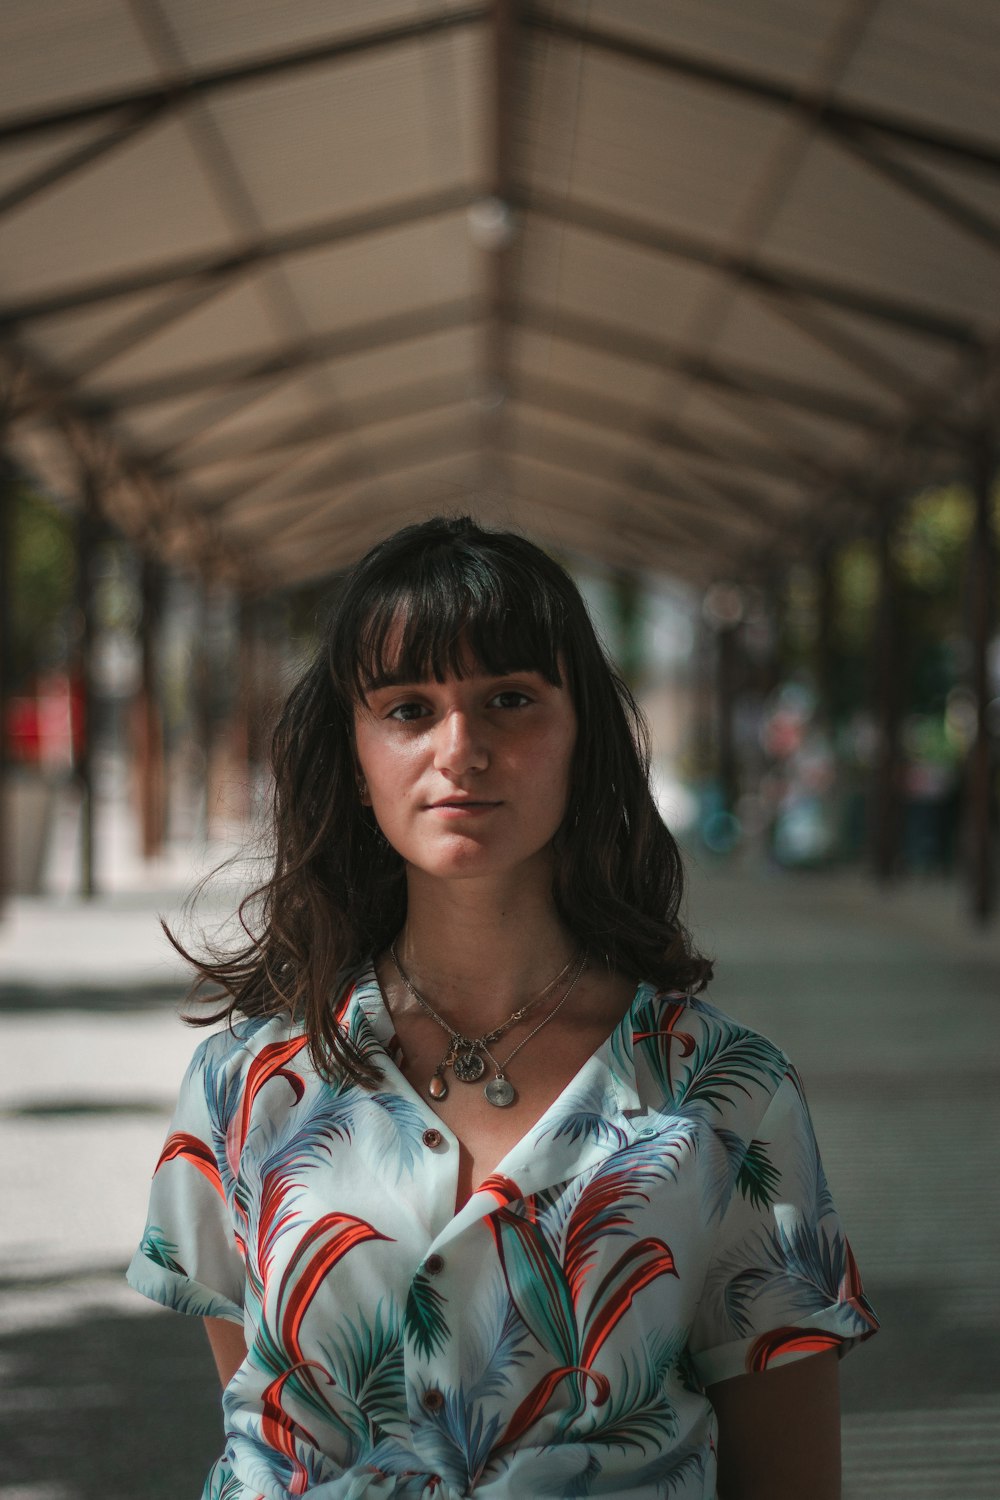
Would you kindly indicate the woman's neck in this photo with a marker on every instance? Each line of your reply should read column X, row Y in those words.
column 476, row 952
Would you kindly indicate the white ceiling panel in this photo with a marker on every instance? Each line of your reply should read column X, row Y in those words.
column 56, row 51
column 146, row 201
column 391, row 125
column 752, row 261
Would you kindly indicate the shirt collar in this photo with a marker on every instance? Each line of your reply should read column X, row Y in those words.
column 597, row 1114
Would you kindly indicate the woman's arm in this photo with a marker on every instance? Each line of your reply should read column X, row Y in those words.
column 779, row 1432
column 229, row 1347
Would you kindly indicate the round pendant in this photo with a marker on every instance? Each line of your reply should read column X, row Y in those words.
column 437, row 1088
column 468, row 1067
column 499, row 1092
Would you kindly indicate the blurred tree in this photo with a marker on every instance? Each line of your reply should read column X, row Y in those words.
column 41, row 586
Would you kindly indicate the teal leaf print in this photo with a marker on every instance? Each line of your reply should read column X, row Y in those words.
column 638, row 1415
column 671, row 1469
column 459, row 1440
column 758, row 1177
column 161, row 1251
column 537, row 1284
column 366, row 1363
column 496, row 1348
column 724, row 1064
column 222, row 1483
column 424, row 1319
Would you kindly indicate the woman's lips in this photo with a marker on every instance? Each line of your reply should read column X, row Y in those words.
column 462, row 808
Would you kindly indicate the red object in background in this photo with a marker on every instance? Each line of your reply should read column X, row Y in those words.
column 23, row 734
column 45, row 728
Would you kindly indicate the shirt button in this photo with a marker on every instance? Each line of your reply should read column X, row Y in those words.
column 433, row 1399
column 434, row 1265
column 432, row 1137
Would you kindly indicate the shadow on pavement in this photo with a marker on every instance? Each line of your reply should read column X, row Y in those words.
column 33, row 999
column 113, row 1407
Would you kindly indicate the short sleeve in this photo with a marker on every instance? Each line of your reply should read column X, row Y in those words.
column 189, row 1258
column 782, row 1282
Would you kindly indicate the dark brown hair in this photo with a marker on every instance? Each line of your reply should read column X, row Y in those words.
column 337, row 893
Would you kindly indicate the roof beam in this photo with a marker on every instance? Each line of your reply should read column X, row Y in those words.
column 312, row 521
column 655, row 495
column 622, row 501
column 750, row 382
column 812, row 103
column 223, row 267
column 324, row 468
column 867, row 148
column 289, row 360
column 419, row 398
column 648, row 426
column 194, row 83
column 124, row 129
column 750, row 269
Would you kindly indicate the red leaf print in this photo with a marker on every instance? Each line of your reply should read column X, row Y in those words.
column 279, row 1431
column 671, row 1015
column 654, row 1259
column 788, row 1341
column 196, row 1152
column 534, row 1404
column 602, row 1193
column 324, row 1256
column 504, row 1189
column 270, row 1063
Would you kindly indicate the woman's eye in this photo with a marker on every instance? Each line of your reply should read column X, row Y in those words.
column 510, row 698
column 405, row 713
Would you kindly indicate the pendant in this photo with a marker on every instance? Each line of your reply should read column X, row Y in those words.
column 468, row 1067
column 437, row 1088
column 499, row 1092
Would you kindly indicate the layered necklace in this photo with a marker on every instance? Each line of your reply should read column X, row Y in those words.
column 467, row 1055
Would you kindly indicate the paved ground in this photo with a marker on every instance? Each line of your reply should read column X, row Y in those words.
column 888, row 1004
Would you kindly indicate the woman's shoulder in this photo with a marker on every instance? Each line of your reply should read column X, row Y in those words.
column 670, row 1005
column 707, row 1037
column 235, row 1045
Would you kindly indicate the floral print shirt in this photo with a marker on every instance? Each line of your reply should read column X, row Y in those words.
column 666, row 1224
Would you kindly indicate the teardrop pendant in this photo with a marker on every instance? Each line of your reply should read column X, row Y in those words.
column 437, row 1088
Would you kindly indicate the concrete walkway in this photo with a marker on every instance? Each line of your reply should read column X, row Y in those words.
column 888, row 1004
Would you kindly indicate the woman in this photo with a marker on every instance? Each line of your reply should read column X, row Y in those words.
column 474, row 1195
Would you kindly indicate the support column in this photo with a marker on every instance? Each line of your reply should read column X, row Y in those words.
column 726, row 669
column 82, row 687
column 149, row 747
column 885, row 816
column 245, row 735
column 203, row 715
column 7, row 502
column 826, row 616
column 982, row 769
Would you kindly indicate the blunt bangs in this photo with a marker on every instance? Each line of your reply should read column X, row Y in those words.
column 451, row 610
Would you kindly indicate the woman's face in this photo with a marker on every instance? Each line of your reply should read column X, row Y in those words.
column 470, row 776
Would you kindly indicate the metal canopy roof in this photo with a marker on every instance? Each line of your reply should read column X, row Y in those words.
column 688, row 285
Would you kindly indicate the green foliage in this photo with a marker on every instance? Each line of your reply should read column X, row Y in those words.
column 933, row 540
column 857, row 592
column 42, row 582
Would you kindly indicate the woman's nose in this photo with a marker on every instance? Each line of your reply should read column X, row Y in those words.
column 461, row 744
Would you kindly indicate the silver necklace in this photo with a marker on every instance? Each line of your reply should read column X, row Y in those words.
column 500, row 1091
column 464, row 1053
